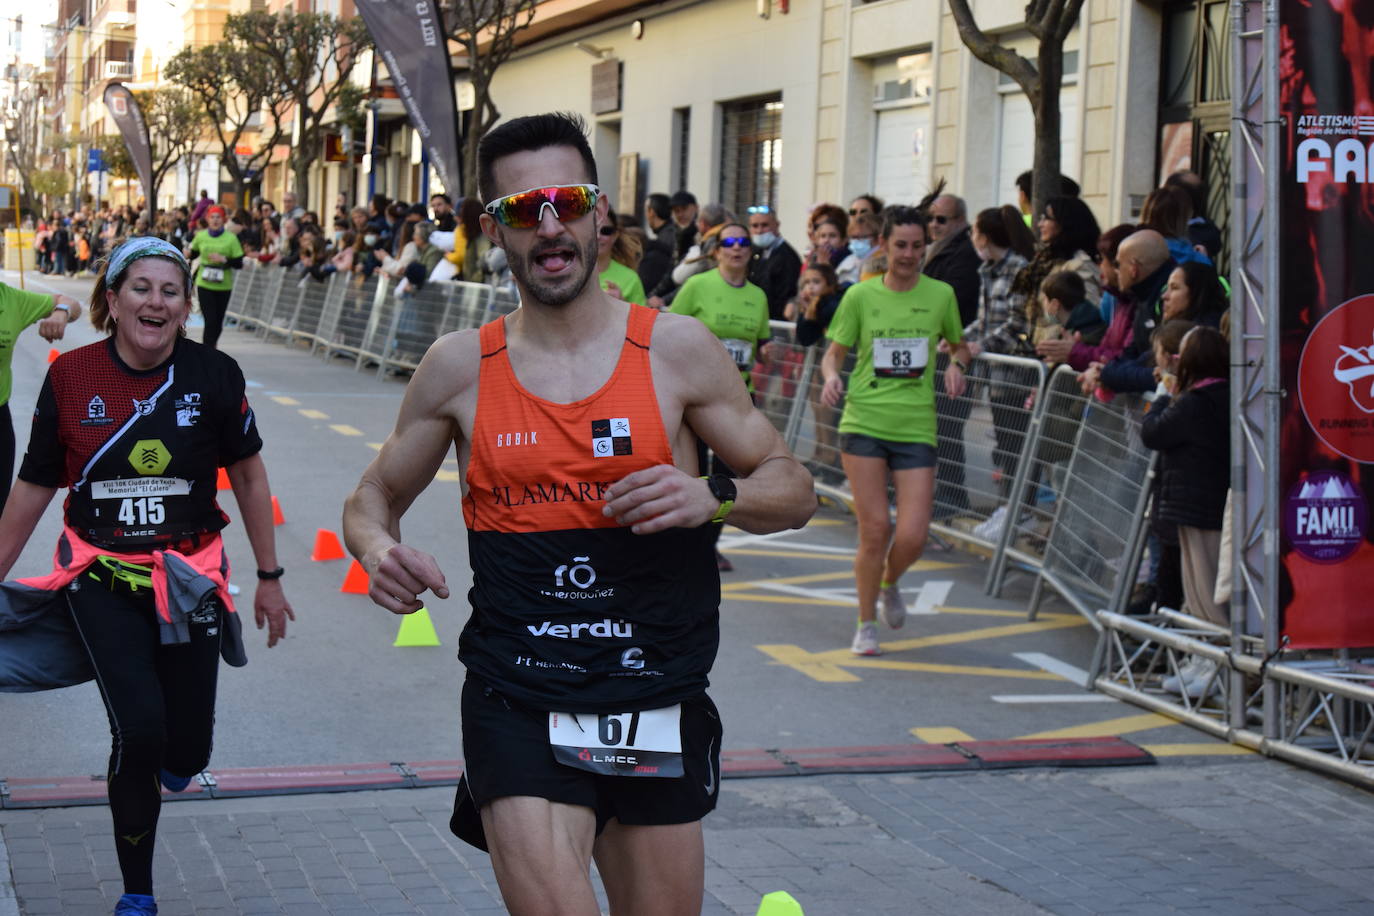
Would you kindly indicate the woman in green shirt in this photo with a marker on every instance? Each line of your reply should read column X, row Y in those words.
column 617, row 256
column 895, row 322
column 220, row 255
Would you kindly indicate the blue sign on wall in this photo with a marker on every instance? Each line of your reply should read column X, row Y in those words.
column 95, row 161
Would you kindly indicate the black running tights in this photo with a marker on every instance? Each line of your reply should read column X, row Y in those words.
column 161, row 704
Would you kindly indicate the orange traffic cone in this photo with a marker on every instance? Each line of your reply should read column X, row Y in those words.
column 355, row 583
column 277, row 517
column 53, row 354
column 222, row 480
column 327, row 546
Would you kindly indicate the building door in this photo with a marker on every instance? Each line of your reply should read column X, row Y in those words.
column 901, row 154
column 1195, row 104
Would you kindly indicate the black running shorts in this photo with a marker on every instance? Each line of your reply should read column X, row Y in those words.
column 506, row 752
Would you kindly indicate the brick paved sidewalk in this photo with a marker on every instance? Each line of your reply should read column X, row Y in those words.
column 1250, row 836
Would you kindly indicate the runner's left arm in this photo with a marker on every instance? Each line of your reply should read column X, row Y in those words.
column 248, row 477
column 774, row 492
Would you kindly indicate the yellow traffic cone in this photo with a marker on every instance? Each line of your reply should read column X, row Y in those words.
column 779, row 903
column 417, row 629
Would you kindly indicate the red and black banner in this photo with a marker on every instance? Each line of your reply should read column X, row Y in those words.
column 1326, row 318
column 128, row 117
column 409, row 35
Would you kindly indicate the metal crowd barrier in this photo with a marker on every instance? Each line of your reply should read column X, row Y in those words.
column 1073, row 466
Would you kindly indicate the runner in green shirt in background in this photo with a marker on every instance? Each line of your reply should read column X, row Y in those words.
column 617, row 256
column 18, row 310
column 220, row 255
column 734, row 310
column 725, row 301
column 897, row 321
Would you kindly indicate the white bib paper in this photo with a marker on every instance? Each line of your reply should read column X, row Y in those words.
column 900, row 357
column 741, row 351
column 647, row 743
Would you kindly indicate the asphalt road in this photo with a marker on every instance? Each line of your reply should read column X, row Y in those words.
column 337, row 691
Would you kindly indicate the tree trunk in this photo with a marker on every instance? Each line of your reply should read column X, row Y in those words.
column 300, row 160
column 1046, row 168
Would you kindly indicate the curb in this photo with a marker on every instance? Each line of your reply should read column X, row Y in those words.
column 958, row 757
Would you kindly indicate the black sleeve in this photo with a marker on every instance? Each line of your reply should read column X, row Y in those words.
column 963, row 276
column 45, row 461
column 234, row 263
column 238, row 428
column 784, row 269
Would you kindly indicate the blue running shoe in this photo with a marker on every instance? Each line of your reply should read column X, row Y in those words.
column 136, row 905
column 172, row 783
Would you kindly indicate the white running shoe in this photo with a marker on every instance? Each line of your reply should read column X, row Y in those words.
column 1203, row 681
column 866, row 640
column 990, row 529
column 892, row 607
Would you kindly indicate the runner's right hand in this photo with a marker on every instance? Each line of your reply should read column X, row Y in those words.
column 400, row 575
column 832, row 392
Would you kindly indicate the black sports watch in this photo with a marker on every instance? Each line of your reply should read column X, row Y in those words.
column 722, row 488
column 267, row 575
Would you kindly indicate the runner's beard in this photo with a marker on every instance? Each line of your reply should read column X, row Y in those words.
column 558, row 292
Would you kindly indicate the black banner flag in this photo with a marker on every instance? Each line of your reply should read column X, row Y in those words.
column 409, row 35
column 128, row 117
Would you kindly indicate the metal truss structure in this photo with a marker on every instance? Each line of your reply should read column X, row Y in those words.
column 1317, row 711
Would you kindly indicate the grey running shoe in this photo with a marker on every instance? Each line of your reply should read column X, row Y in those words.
column 866, row 640
column 892, row 607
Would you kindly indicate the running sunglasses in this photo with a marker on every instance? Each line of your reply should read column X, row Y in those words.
column 735, row 241
column 524, row 209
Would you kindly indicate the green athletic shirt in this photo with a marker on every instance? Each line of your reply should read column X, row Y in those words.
column 895, row 401
column 18, row 310
column 738, row 315
column 631, row 290
column 227, row 244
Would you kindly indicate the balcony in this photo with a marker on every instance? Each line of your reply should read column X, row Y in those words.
column 119, row 70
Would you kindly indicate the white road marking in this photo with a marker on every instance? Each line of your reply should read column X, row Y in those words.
column 1038, row 698
column 932, row 596
column 1053, row 666
column 825, row 594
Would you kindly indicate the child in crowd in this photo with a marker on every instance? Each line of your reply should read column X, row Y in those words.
column 1067, row 311
column 1165, row 585
column 1190, row 427
column 818, row 296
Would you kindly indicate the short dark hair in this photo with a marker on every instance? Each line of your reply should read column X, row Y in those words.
column 903, row 216
column 442, row 196
column 682, row 199
column 659, row 205
column 1067, row 186
column 535, row 132
column 1066, row 286
column 875, row 203
column 1190, row 183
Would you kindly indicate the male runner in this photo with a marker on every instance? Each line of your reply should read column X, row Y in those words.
column 586, row 728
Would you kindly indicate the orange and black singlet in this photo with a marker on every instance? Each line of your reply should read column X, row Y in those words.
column 571, row 611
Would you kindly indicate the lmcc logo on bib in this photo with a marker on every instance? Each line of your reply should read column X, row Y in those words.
column 1336, row 379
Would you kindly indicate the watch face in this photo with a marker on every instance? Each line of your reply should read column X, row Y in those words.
column 722, row 488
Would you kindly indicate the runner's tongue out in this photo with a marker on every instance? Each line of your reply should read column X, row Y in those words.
column 554, row 260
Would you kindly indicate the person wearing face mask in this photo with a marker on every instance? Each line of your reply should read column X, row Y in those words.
column 220, row 254
column 775, row 265
column 863, row 236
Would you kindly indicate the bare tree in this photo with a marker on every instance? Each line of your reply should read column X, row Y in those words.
column 243, row 99
column 176, row 123
column 487, row 30
column 310, row 55
column 22, row 126
column 1050, row 21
